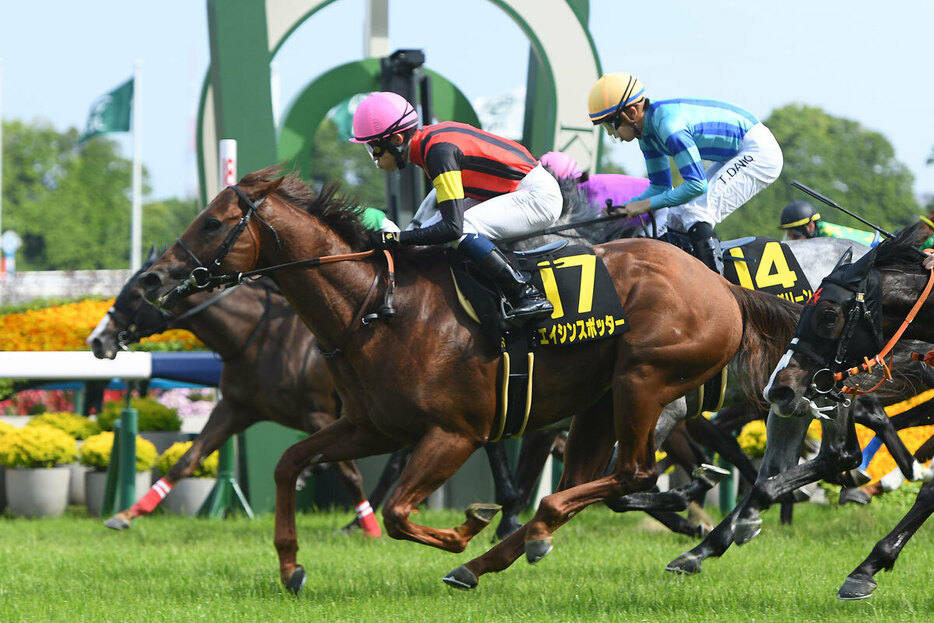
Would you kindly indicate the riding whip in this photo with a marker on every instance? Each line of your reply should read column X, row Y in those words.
column 824, row 199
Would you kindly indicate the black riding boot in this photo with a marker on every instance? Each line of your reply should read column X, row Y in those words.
column 524, row 300
column 707, row 246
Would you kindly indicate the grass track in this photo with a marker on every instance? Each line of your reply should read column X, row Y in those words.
column 603, row 568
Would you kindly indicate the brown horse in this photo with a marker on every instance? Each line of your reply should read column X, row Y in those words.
column 241, row 325
column 272, row 371
column 427, row 377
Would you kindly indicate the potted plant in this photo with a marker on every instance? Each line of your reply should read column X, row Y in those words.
column 4, row 429
column 188, row 494
column 37, row 473
column 156, row 422
column 95, row 454
column 80, row 428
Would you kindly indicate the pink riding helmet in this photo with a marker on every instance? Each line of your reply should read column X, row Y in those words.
column 561, row 164
column 381, row 115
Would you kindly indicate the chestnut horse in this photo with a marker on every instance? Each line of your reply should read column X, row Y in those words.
column 860, row 303
column 426, row 376
column 244, row 326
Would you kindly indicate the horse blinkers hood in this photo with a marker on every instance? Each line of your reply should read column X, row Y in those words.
column 857, row 289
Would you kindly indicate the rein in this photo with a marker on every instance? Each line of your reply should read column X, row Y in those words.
column 879, row 359
column 201, row 277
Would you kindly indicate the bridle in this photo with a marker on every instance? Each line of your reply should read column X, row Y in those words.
column 826, row 380
column 204, row 277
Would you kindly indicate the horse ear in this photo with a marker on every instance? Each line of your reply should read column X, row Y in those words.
column 846, row 258
column 153, row 256
column 271, row 186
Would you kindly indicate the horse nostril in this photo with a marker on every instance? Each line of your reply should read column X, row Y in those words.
column 781, row 395
column 150, row 280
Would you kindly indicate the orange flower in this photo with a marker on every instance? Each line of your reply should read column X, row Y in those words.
column 65, row 327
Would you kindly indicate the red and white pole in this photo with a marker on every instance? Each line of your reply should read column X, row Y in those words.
column 227, row 156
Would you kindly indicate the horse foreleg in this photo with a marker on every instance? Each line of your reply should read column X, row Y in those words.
column 506, row 493
column 785, row 436
column 869, row 412
column 340, row 441
column 536, row 447
column 387, row 479
column 435, row 458
column 714, row 544
column 223, row 423
column 587, row 450
column 860, row 583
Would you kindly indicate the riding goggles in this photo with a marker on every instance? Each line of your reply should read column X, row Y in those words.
column 377, row 148
column 611, row 124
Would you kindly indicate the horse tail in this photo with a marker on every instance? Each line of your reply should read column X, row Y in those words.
column 769, row 324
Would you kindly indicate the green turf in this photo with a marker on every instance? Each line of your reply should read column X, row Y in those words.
column 604, row 567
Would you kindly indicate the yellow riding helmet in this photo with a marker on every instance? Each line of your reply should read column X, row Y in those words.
column 611, row 93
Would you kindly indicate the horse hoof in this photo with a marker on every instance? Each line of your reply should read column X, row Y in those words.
column 688, row 564
column 537, row 549
column 856, row 478
column 507, row 526
column 856, row 588
column 857, row 496
column 483, row 512
column 710, row 475
column 461, row 578
column 746, row 531
column 117, row 523
column 296, row 581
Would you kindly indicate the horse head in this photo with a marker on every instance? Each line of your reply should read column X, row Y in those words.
column 222, row 241
column 841, row 326
column 128, row 320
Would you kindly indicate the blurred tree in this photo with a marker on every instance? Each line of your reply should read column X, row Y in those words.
column 164, row 221
column 337, row 159
column 70, row 204
column 853, row 166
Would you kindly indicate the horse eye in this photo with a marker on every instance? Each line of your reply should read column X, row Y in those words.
column 212, row 224
column 828, row 316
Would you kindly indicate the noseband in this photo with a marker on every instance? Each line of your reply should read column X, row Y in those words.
column 859, row 315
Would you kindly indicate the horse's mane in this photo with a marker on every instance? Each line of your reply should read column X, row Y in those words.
column 340, row 214
column 901, row 251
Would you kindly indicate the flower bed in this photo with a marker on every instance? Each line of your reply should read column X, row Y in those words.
column 65, row 327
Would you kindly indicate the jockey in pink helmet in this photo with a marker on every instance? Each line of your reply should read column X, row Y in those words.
column 561, row 164
column 378, row 118
column 487, row 187
column 607, row 189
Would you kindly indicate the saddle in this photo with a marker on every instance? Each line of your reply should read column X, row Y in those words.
column 587, row 308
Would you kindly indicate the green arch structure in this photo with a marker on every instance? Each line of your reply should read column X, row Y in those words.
column 309, row 108
column 246, row 34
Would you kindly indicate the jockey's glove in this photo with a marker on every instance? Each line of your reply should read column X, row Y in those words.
column 384, row 239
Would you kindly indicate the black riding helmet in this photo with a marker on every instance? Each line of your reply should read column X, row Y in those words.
column 797, row 214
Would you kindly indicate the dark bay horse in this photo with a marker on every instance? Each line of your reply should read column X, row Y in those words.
column 884, row 288
column 426, row 378
column 271, row 372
